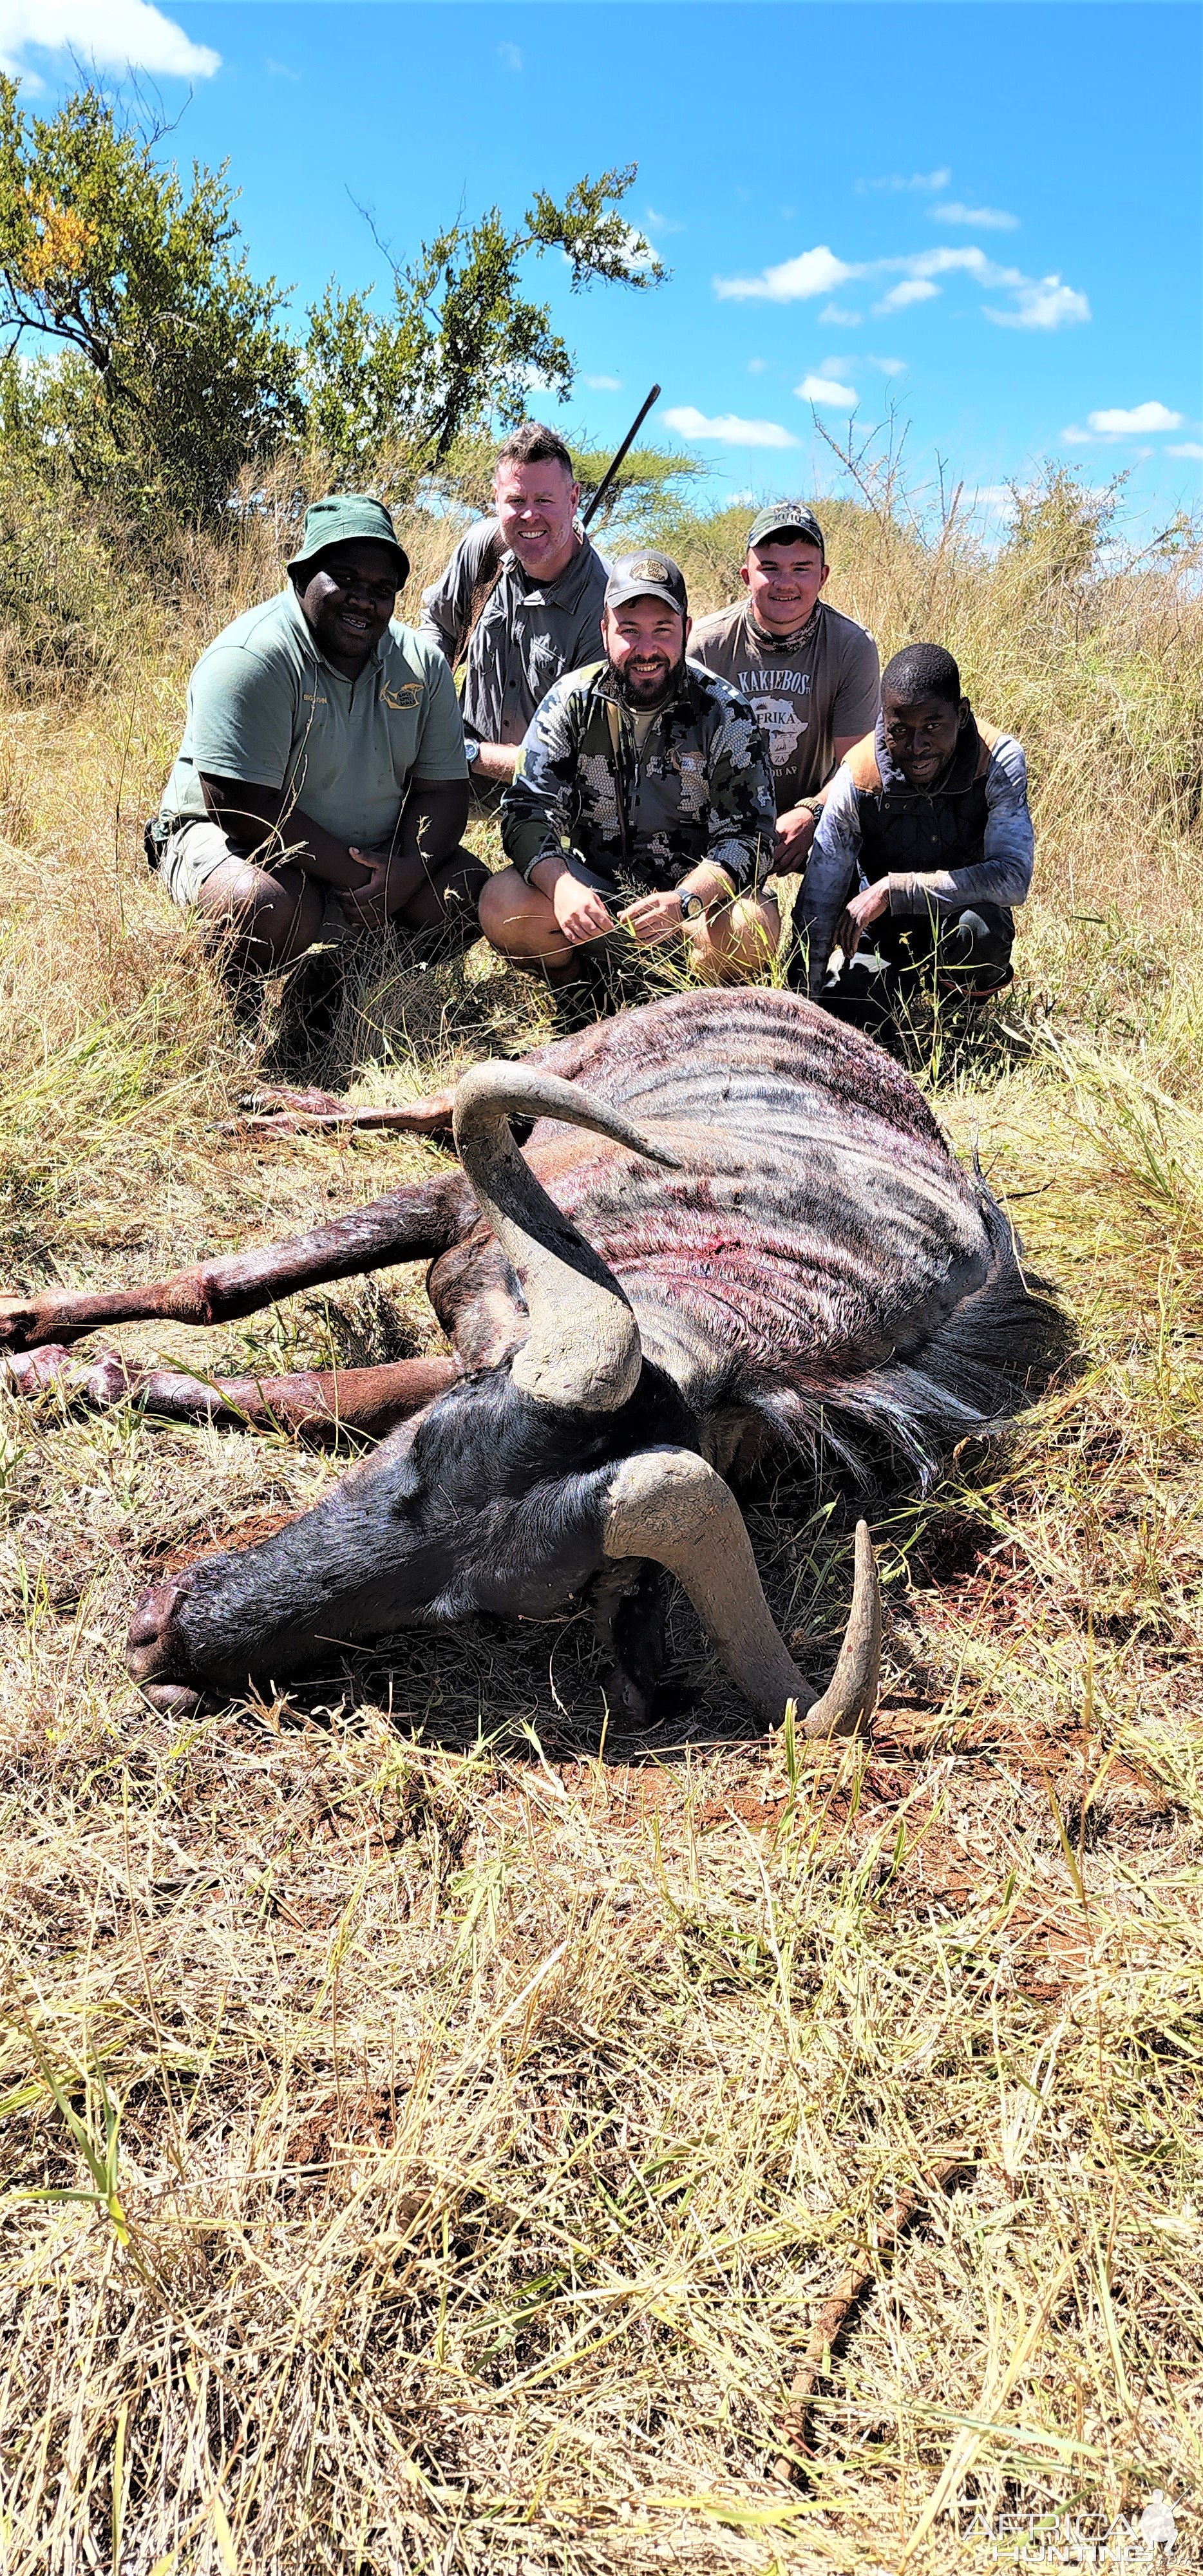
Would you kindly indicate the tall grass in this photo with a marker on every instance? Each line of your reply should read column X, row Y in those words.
column 435, row 2122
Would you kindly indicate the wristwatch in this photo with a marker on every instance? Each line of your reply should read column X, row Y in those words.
column 471, row 750
column 692, row 906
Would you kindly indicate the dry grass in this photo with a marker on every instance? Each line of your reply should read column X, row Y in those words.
column 464, row 2114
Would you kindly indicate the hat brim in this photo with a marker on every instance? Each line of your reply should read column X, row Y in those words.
column 335, row 545
column 644, row 590
column 788, row 528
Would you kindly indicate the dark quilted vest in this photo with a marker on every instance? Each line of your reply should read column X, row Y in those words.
column 905, row 831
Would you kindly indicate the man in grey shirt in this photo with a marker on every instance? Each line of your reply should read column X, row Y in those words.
column 808, row 672
column 520, row 602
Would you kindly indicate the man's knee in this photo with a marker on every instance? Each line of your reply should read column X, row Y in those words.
column 507, row 906
column 740, row 941
column 277, row 916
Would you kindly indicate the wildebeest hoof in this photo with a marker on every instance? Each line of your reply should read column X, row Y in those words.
column 18, row 1323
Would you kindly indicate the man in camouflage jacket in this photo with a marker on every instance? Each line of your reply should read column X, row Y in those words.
column 642, row 804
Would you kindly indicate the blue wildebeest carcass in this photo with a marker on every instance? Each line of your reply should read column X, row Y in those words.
column 735, row 1226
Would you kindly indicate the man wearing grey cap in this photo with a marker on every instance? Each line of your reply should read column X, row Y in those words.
column 642, row 796
column 321, row 785
column 809, row 673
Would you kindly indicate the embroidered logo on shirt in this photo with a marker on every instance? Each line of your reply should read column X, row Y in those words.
column 408, row 695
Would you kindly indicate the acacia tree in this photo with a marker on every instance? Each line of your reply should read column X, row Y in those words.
column 463, row 341
column 166, row 369
column 172, row 369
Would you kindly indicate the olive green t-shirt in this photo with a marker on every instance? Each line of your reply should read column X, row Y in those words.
column 264, row 706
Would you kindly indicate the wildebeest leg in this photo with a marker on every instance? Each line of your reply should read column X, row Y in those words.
column 313, row 1405
column 628, row 1612
column 286, row 1112
column 414, row 1223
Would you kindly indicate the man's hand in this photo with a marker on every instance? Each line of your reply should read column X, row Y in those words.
column 857, row 915
column 369, row 905
column 653, row 917
column 795, row 831
column 579, row 911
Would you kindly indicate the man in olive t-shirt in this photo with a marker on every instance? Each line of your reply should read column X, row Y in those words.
column 321, row 785
column 809, row 673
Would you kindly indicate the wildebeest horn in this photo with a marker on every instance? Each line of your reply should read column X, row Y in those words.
column 583, row 1348
column 669, row 1505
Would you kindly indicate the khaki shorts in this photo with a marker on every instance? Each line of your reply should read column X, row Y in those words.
column 191, row 855
column 197, row 849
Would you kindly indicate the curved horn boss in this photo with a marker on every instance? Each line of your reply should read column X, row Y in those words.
column 757, row 1244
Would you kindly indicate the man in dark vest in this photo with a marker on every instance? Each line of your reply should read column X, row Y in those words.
column 923, row 849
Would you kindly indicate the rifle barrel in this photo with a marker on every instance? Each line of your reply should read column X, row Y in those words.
column 616, row 461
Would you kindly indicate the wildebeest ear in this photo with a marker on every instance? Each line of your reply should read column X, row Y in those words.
column 669, row 1505
column 583, row 1349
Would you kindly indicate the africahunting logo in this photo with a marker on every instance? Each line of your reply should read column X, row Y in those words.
column 1135, row 2544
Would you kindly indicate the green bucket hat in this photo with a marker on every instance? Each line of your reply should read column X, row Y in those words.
column 342, row 519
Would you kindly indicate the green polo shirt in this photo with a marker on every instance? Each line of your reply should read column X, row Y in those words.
column 265, row 707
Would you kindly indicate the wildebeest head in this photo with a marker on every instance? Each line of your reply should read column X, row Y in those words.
column 514, row 1488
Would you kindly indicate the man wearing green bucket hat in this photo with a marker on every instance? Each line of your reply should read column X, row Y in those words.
column 321, row 786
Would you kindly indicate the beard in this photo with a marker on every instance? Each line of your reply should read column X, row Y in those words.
column 648, row 688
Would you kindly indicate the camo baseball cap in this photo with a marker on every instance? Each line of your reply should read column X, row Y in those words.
column 647, row 577
column 787, row 519
column 345, row 519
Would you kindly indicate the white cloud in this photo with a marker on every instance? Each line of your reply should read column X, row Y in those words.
column 728, row 427
column 828, row 393
column 1189, row 447
column 512, row 55
column 662, row 223
column 1039, row 304
column 889, row 366
column 990, row 218
column 1042, row 305
column 836, row 313
column 813, row 272
column 910, row 290
column 1104, row 427
column 1128, row 424
column 756, row 366
column 604, row 384
column 925, row 180
column 123, row 33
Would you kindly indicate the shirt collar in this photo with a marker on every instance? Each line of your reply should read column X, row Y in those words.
column 957, row 774
column 557, row 593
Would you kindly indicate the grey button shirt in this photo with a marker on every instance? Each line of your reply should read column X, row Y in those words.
column 527, row 634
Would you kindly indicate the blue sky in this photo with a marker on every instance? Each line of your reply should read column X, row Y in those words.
column 985, row 216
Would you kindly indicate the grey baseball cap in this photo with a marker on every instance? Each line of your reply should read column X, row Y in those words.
column 647, row 577
column 787, row 519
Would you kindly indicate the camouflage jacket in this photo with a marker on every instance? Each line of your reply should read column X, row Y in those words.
column 622, row 813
